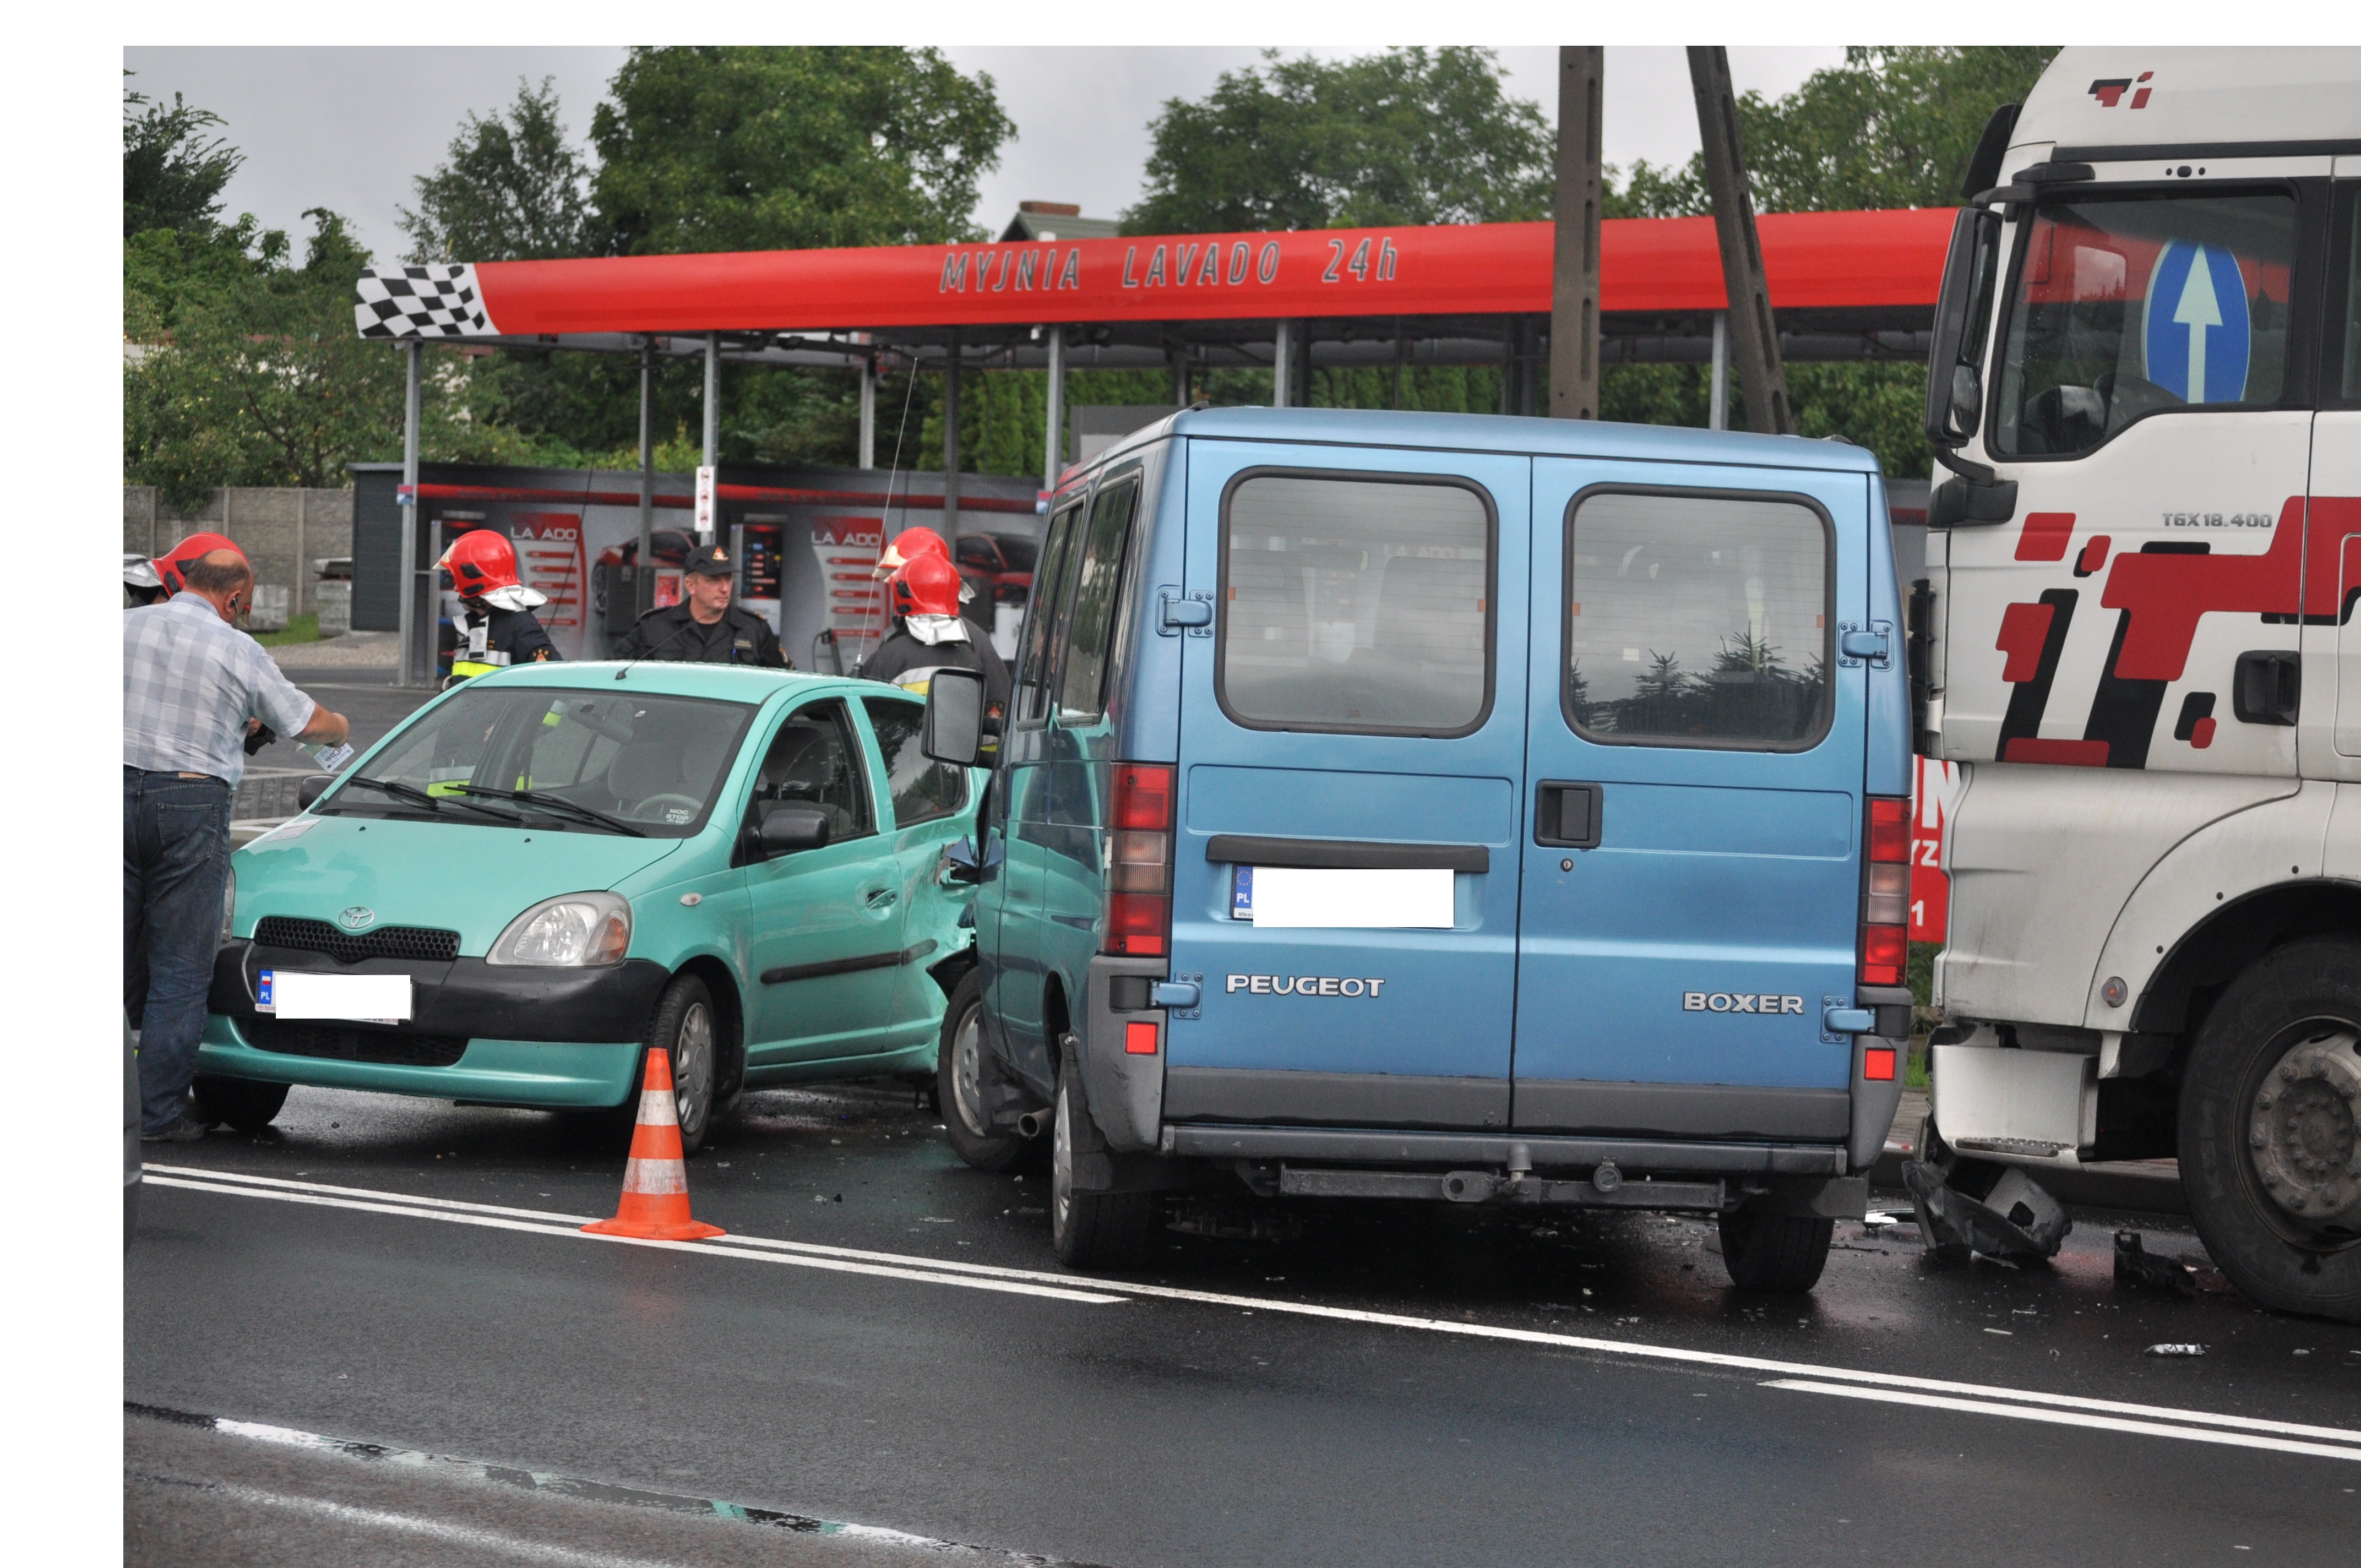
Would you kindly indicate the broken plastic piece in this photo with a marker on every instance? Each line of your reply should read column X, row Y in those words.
column 2137, row 1266
column 2174, row 1349
column 2017, row 1220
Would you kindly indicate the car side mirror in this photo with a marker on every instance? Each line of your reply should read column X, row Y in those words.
column 312, row 788
column 787, row 828
column 954, row 726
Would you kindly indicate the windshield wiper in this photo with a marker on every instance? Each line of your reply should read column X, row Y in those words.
column 554, row 803
column 400, row 791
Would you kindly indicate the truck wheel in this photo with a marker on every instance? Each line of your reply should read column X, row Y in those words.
column 1091, row 1230
column 2270, row 1108
column 1782, row 1253
column 960, row 1083
column 244, row 1104
column 684, row 1025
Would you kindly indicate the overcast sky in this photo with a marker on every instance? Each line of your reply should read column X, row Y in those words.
column 347, row 127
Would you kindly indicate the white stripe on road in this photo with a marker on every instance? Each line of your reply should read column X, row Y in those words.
column 2066, row 1417
column 1060, row 1287
column 435, row 1529
column 921, row 1276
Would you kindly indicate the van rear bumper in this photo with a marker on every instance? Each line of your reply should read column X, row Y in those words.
column 1350, row 1146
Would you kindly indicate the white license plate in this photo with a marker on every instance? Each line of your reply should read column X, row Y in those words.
column 1298, row 898
column 353, row 998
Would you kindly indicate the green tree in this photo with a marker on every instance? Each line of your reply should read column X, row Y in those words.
column 1409, row 136
column 173, row 170
column 512, row 189
column 766, row 147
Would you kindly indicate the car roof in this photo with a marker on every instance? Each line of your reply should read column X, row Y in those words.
column 731, row 683
column 1502, row 434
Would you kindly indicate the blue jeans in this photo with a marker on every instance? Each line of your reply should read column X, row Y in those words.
column 175, row 866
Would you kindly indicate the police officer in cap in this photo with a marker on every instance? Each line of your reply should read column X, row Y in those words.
column 705, row 628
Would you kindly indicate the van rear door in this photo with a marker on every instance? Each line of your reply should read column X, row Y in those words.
column 1692, row 888
column 1352, row 740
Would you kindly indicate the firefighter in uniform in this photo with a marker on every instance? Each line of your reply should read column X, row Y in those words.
column 930, row 634
column 908, row 546
column 705, row 628
column 495, row 626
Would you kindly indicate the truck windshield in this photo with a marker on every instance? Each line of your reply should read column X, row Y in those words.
column 655, row 763
column 2122, row 305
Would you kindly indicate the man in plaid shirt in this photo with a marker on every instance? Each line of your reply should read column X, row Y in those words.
column 194, row 686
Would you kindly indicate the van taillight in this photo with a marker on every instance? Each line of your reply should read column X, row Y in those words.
column 1885, row 898
column 1139, row 861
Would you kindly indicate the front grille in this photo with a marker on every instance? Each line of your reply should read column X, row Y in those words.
column 344, row 1042
column 351, row 946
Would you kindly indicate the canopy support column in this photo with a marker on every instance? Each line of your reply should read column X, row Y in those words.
column 1754, row 336
column 1178, row 357
column 1717, row 415
column 712, row 398
column 1282, row 365
column 1053, row 456
column 869, row 410
column 643, row 569
column 1574, row 292
column 951, row 439
column 413, row 629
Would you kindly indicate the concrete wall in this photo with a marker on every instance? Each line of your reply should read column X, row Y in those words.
column 282, row 531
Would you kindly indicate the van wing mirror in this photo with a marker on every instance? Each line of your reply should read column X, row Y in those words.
column 1955, row 360
column 787, row 828
column 954, row 725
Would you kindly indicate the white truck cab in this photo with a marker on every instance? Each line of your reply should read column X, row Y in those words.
column 2136, row 634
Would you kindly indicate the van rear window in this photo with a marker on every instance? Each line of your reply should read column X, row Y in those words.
column 1357, row 604
column 1697, row 621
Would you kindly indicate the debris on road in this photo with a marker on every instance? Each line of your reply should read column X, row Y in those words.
column 2142, row 1269
column 2174, row 1349
column 2016, row 1219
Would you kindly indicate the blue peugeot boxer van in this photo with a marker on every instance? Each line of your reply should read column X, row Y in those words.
column 1437, row 807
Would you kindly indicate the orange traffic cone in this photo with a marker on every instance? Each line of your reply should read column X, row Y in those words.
column 655, row 1180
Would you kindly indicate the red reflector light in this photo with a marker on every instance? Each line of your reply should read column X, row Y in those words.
column 1889, row 829
column 1135, row 922
column 1139, row 1040
column 1876, row 1064
column 1143, row 796
column 1884, row 954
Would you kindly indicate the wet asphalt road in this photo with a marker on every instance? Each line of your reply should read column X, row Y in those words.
column 1268, row 1426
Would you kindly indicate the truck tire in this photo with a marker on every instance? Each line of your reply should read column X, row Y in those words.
column 2268, row 1110
column 962, row 1069
column 1091, row 1230
column 244, row 1104
column 1780, row 1253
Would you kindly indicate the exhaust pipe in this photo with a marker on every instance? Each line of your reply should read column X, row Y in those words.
column 1034, row 1123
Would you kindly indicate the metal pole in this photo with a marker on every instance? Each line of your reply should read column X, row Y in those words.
column 1402, row 361
column 412, row 635
column 1754, row 336
column 1718, row 403
column 1179, row 359
column 951, row 439
column 1282, row 365
column 1574, row 284
column 1053, row 456
column 643, row 570
column 712, row 398
column 869, row 410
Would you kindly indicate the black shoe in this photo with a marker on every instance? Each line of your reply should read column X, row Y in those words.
column 187, row 1130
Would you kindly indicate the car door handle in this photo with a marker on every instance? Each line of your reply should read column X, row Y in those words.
column 880, row 896
column 1566, row 816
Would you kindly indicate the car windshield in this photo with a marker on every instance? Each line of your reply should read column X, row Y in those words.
column 650, row 765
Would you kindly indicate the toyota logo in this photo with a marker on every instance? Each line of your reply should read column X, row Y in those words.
column 359, row 917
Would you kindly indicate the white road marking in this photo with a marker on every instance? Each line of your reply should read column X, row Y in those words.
column 436, row 1529
column 2068, row 1417
column 2185, row 1422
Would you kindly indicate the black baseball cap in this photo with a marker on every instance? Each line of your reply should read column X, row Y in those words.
column 711, row 561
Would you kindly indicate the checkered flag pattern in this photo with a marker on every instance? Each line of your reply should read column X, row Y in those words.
column 443, row 300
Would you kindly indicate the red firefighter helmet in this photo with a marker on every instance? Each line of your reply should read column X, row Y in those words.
column 908, row 546
column 479, row 561
column 173, row 563
column 929, row 584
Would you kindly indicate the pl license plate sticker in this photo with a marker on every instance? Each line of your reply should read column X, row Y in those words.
column 1241, row 893
column 263, row 999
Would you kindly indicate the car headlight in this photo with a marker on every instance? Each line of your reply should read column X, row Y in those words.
column 229, row 904
column 567, row 932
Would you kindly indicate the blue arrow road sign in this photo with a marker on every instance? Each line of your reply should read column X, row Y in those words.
column 2198, row 337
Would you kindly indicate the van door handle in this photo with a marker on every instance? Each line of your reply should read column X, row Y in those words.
column 1174, row 612
column 1874, row 644
column 1566, row 816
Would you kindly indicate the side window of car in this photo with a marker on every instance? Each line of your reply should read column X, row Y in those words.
column 815, row 760
column 1090, row 623
column 922, row 788
column 1034, row 664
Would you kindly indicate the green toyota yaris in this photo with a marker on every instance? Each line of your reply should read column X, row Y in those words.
column 549, row 869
